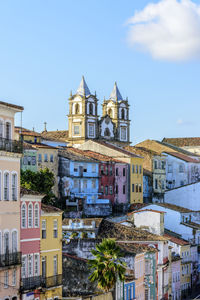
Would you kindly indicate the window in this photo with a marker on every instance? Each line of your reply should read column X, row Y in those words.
column 36, row 215
column 76, row 129
column 136, row 188
column 93, row 168
column 55, row 229
column 14, row 277
column 124, row 172
column 85, row 168
column 102, row 170
column 76, row 183
column 140, row 188
column 140, row 169
column 133, row 169
column 155, row 164
column 36, row 264
column 136, row 169
column 0, row 185
column 1, row 129
column 106, row 190
column 133, row 188
column 44, row 266
column 93, row 183
column 110, row 113
column 25, row 160
column 90, row 109
column 55, row 264
column 5, row 279
column 122, row 114
column 124, row 189
column 23, row 215
column 123, row 133
column 23, row 266
column 33, row 160
column 45, row 157
column 163, row 184
column 6, row 186
column 39, row 158
column 107, row 132
column 75, row 167
column 6, row 242
column 77, row 109
column 51, row 158
column 91, row 130
column 14, row 187
column 111, row 170
column 116, row 171
column 111, row 189
column 102, row 189
column 106, row 170
column 14, row 241
column 116, row 189
column 30, row 215
column 163, row 165
column 0, row 243
column 85, row 184
column 8, row 130
column 29, row 160
column 30, row 265
column 44, row 233
column 156, row 184
column 181, row 168
column 170, row 169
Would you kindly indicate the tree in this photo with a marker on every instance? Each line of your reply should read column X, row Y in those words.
column 107, row 265
column 41, row 181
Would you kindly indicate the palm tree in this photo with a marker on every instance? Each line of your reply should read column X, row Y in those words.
column 107, row 265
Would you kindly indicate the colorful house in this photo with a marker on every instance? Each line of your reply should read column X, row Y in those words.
column 30, row 244
column 10, row 154
column 51, row 252
column 29, row 158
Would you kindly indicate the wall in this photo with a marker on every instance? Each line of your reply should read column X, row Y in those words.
column 154, row 221
column 29, row 160
column 176, row 275
column 185, row 196
column 121, row 181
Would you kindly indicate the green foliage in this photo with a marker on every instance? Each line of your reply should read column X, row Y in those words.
column 41, row 181
column 107, row 265
column 73, row 235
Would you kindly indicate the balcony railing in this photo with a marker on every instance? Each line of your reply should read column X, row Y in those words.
column 11, row 145
column 10, row 259
column 31, row 283
column 52, row 281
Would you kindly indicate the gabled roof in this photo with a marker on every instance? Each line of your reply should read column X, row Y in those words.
column 44, row 146
column 174, row 207
column 108, row 229
column 25, row 191
column 57, row 135
column 148, row 210
column 17, row 107
column 72, row 154
column 176, row 240
column 182, row 142
column 50, row 209
column 135, row 248
column 83, row 89
column 183, row 157
column 25, row 131
column 115, row 94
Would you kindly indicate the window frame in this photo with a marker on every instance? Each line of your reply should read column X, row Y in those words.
column 36, row 218
column 30, row 224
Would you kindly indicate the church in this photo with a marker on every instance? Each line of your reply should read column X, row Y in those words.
column 84, row 122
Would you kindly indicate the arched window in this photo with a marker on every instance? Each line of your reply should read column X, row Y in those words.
column 91, row 109
column 14, row 241
column 14, row 187
column 0, row 186
column 110, row 112
column 0, row 243
column 77, row 109
column 23, row 215
column 6, row 242
column 1, row 128
column 107, row 132
column 6, row 186
column 8, row 131
column 123, row 114
column 30, row 215
column 36, row 215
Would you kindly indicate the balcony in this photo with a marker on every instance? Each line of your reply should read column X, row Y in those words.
column 11, row 145
column 31, row 283
column 52, row 281
column 10, row 259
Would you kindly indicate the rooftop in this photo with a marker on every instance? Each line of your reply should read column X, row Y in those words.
column 174, row 207
column 25, row 191
column 57, row 135
column 50, row 209
column 74, row 155
column 83, row 89
column 176, row 240
column 115, row 94
column 25, row 131
column 182, row 142
column 40, row 146
column 135, row 248
column 108, row 229
column 17, row 107
column 142, row 210
column 183, row 157
column 86, row 221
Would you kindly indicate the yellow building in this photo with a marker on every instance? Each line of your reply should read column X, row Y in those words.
column 135, row 163
column 185, row 267
column 51, row 252
column 27, row 135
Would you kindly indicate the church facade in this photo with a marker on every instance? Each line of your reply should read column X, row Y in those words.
column 84, row 122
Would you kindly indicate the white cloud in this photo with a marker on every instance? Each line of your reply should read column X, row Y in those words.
column 168, row 30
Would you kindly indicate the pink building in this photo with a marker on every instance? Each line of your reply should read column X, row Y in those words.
column 176, row 281
column 121, row 183
column 30, row 243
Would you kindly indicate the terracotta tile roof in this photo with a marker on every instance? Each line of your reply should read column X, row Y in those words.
column 135, row 248
column 40, row 145
column 182, row 142
column 25, row 131
column 24, row 191
column 74, row 155
column 137, row 206
column 108, row 229
column 96, row 155
column 153, row 210
column 50, row 208
column 176, row 240
column 58, row 135
column 74, row 257
column 28, row 146
column 161, row 147
column 183, row 157
column 175, row 207
column 117, row 148
column 12, row 105
column 87, row 221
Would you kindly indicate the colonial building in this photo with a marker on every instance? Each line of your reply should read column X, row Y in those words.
column 83, row 119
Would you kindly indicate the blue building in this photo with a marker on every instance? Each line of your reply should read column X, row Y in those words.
column 129, row 289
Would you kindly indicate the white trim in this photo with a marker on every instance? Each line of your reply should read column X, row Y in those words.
column 38, row 208
column 6, row 172
column 1, row 186
column 30, row 204
column 43, row 251
column 16, row 188
column 14, row 230
column 8, row 121
column 30, row 240
column 23, row 227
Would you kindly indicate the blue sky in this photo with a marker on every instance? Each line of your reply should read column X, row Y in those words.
column 46, row 46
